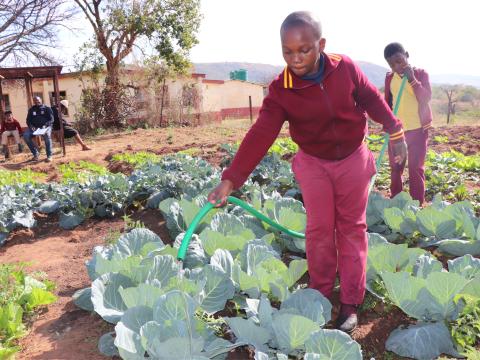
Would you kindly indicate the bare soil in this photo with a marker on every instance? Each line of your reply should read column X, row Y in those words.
column 63, row 331
column 465, row 139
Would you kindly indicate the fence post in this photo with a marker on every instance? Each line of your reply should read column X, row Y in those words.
column 250, row 106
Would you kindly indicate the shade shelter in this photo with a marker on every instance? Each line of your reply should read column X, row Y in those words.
column 28, row 74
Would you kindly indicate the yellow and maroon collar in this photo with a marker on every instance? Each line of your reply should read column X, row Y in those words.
column 291, row 81
column 287, row 79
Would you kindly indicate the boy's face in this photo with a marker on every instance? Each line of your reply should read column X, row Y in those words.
column 301, row 49
column 398, row 62
column 8, row 117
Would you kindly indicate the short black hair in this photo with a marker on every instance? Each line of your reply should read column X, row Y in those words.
column 8, row 112
column 302, row 18
column 393, row 48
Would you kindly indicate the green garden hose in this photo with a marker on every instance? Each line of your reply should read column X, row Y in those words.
column 182, row 251
column 386, row 137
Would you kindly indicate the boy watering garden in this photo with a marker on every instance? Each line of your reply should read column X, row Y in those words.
column 325, row 99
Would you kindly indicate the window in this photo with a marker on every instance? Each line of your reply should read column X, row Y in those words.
column 141, row 99
column 63, row 95
column 6, row 103
column 190, row 96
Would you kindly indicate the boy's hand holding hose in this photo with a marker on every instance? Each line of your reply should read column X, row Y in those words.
column 400, row 152
column 221, row 192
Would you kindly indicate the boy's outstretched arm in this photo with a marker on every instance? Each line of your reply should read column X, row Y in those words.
column 370, row 99
column 253, row 147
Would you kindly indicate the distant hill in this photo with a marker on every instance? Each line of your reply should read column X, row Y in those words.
column 264, row 73
column 374, row 72
column 456, row 79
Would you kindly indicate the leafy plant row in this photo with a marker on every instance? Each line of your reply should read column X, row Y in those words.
column 410, row 278
column 20, row 295
column 447, row 173
column 162, row 312
column 453, row 228
column 416, row 282
column 102, row 195
column 109, row 195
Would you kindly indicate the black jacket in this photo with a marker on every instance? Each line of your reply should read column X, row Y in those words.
column 39, row 116
column 56, row 119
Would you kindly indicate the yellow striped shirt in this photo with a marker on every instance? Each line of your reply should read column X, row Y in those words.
column 408, row 109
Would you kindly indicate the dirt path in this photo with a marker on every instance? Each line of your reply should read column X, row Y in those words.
column 64, row 331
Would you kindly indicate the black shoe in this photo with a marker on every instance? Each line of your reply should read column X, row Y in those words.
column 346, row 323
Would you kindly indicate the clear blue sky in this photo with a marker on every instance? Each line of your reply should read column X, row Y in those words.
column 440, row 35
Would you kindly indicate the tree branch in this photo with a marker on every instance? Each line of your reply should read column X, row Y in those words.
column 30, row 22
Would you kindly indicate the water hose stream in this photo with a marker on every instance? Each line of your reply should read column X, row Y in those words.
column 182, row 251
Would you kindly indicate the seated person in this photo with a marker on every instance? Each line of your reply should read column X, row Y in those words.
column 68, row 130
column 10, row 127
column 39, row 116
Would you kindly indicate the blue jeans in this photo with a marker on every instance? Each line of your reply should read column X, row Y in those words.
column 47, row 138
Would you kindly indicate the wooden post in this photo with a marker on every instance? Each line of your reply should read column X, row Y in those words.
column 29, row 88
column 2, row 102
column 59, row 110
column 250, row 106
column 2, row 115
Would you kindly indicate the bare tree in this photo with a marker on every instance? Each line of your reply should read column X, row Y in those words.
column 28, row 28
column 171, row 25
column 450, row 91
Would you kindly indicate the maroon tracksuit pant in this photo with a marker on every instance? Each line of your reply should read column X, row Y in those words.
column 417, row 150
column 335, row 195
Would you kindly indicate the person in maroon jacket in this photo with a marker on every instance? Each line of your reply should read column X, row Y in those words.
column 324, row 98
column 416, row 116
column 10, row 127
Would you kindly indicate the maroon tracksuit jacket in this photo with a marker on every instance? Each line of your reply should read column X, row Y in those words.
column 10, row 126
